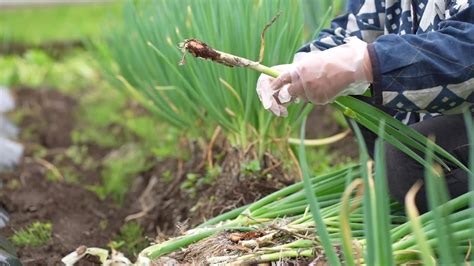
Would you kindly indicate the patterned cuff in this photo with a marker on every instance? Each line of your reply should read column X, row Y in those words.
column 377, row 76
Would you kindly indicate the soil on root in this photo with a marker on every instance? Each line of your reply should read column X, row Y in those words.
column 79, row 217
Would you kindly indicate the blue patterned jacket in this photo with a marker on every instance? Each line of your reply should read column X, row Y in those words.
column 422, row 53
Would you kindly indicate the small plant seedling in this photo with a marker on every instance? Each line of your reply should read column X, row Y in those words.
column 34, row 235
column 195, row 181
column 130, row 240
column 118, row 168
column 251, row 167
column 190, row 182
column 167, row 176
column 211, row 175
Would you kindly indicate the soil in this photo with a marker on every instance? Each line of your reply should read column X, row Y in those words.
column 321, row 124
column 54, row 48
column 74, row 211
column 79, row 217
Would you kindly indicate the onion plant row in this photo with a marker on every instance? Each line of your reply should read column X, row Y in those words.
column 142, row 57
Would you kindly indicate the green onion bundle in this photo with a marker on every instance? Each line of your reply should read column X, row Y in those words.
column 288, row 230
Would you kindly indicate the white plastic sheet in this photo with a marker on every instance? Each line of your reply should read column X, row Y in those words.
column 7, row 103
column 10, row 151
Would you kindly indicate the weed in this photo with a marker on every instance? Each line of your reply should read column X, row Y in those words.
column 76, row 154
column 167, row 176
column 119, row 167
column 211, row 175
column 190, row 182
column 196, row 181
column 34, row 235
column 251, row 167
column 131, row 239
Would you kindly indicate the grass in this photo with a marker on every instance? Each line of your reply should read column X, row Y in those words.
column 35, row 25
column 34, row 235
column 36, row 68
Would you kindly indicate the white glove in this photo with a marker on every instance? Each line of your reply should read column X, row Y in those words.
column 320, row 76
column 268, row 96
column 323, row 76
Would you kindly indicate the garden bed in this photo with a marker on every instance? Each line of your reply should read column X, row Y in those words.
column 41, row 190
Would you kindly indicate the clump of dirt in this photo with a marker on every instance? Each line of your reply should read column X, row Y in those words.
column 199, row 49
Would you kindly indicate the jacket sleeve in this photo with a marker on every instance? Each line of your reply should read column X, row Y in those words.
column 361, row 20
column 432, row 72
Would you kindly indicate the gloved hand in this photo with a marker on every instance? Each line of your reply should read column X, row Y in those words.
column 319, row 77
column 269, row 97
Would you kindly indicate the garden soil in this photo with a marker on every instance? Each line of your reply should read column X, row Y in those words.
column 79, row 217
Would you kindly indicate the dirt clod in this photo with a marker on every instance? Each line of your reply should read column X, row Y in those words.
column 200, row 49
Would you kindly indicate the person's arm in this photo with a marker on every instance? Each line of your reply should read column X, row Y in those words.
column 431, row 72
column 358, row 22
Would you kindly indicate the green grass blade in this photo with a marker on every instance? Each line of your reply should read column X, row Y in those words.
column 367, row 201
column 314, row 204
column 437, row 195
column 382, row 203
column 412, row 212
column 363, row 108
column 344, row 225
